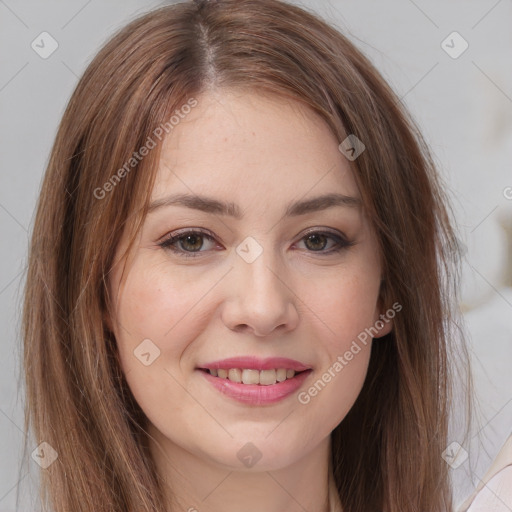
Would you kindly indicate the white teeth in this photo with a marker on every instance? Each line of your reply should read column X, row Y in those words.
column 248, row 376
column 281, row 374
column 235, row 374
column 267, row 377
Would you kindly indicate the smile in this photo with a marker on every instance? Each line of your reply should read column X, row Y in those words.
column 256, row 381
column 250, row 376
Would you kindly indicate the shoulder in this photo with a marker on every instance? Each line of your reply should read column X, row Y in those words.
column 494, row 493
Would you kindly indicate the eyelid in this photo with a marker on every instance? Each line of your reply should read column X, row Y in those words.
column 325, row 231
column 342, row 241
column 174, row 236
column 185, row 231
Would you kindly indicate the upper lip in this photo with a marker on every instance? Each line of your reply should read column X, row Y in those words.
column 255, row 363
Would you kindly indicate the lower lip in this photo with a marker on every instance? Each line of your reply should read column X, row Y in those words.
column 256, row 394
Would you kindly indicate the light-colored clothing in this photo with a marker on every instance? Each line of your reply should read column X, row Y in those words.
column 494, row 493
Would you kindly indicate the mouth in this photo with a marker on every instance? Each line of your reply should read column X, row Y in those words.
column 250, row 376
column 254, row 381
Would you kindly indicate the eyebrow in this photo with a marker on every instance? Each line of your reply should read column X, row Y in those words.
column 212, row 205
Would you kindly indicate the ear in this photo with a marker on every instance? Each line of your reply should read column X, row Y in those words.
column 383, row 324
column 383, row 318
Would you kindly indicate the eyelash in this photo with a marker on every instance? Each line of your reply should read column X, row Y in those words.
column 171, row 239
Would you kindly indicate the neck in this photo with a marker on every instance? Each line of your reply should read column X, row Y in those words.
column 199, row 484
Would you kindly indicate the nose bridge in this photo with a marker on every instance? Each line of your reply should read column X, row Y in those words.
column 262, row 300
column 257, row 267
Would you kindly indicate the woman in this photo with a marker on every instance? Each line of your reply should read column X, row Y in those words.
column 240, row 286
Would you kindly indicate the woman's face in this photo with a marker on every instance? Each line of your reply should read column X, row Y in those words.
column 271, row 270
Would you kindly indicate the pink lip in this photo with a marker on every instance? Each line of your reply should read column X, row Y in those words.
column 254, row 363
column 256, row 394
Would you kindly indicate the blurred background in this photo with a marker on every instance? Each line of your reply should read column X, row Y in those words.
column 450, row 63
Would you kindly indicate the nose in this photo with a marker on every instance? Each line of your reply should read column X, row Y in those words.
column 260, row 301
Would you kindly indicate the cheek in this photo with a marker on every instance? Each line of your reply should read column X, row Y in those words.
column 345, row 306
column 345, row 310
column 159, row 313
column 162, row 306
column 336, row 388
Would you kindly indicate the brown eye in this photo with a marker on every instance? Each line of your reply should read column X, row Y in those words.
column 191, row 242
column 316, row 242
column 325, row 242
column 187, row 243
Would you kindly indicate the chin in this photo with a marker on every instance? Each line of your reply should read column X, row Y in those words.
column 259, row 454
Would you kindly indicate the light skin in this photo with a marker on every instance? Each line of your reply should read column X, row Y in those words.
column 298, row 299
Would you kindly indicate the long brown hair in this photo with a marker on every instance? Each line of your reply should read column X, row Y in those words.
column 386, row 454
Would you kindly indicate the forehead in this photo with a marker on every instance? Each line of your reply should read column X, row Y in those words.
column 252, row 148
